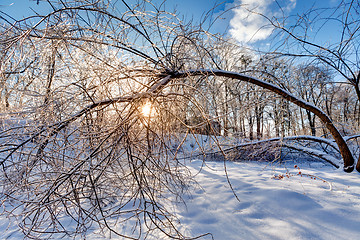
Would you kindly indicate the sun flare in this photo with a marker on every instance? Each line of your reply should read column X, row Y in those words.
column 146, row 110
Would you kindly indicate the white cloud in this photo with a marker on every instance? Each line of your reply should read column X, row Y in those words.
column 247, row 26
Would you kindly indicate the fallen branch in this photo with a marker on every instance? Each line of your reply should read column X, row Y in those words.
column 313, row 152
column 276, row 142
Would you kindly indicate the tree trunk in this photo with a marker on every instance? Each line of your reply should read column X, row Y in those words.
column 302, row 122
column 311, row 119
column 251, row 124
column 258, row 115
column 51, row 74
column 276, row 120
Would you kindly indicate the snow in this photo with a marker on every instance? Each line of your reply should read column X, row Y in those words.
column 294, row 207
column 273, row 200
column 298, row 207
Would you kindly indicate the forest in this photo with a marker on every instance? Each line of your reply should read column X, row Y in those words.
column 99, row 98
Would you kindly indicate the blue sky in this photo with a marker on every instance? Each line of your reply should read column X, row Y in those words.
column 236, row 22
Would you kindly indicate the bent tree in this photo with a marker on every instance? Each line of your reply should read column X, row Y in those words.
column 340, row 51
column 343, row 147
column 78, row 151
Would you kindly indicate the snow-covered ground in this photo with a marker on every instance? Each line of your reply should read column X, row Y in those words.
column 273, row 201
column 271, row 207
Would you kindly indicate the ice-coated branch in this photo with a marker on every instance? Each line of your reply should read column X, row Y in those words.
column 343, row 147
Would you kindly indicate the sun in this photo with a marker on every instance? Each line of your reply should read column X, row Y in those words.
column 146, row 110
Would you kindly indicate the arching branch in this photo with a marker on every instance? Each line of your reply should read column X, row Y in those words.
column 343, row 147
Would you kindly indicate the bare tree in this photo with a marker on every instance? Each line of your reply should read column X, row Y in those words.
column 105, row 112
column 343, row 147
column 341, row 54
column 82, row 150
